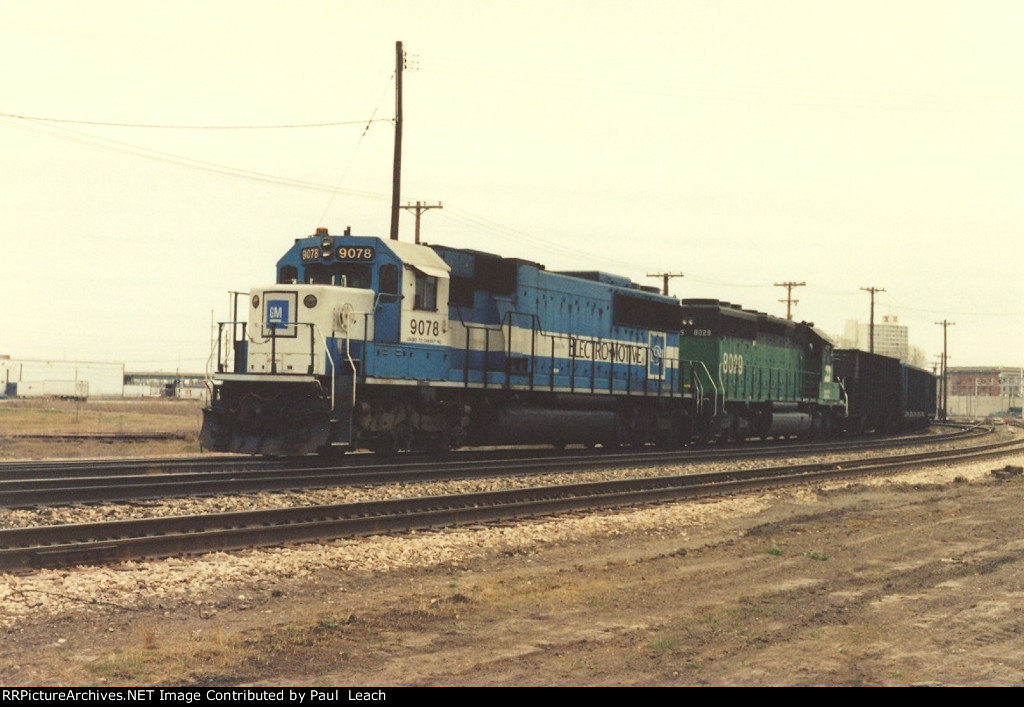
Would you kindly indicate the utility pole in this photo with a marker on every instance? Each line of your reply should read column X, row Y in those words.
column 665, row 276
column 871, row 326
column 789, row 296
column 945, row 390
column 418, row 209
column 396, row 174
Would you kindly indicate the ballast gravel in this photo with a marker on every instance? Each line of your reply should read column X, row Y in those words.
column 95, row 591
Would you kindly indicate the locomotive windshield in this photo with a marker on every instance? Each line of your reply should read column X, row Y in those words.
column 340, row 274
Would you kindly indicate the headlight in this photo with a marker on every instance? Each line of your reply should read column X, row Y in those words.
column 309, row 301
column 255, row 301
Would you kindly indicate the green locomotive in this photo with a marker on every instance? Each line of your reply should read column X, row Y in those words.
column 754, row 375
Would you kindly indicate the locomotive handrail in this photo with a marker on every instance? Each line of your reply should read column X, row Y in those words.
column 352, row 365
column 314, row 329
column 846, row 398
column 323, row 339
column 222, row 365
column 711, row 380
column 469, row 327
column 698, row 389
column 537, row 330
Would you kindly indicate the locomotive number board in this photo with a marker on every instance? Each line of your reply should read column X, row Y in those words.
column 358, row 253
column 348, row 253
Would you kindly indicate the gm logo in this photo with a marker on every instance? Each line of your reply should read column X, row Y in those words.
column 655, row 364
column 277, row 314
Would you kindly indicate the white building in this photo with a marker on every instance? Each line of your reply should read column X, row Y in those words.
column 78, row 379
column 891, row 337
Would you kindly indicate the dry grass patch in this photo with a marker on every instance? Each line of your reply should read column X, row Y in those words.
column 21, row 420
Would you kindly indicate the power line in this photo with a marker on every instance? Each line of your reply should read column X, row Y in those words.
column 164, row 126
column 170, row 158
column 351, row 159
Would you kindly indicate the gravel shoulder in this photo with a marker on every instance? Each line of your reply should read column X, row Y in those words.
column 915, row 579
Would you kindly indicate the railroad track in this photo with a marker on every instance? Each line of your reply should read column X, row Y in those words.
column 38, row 484
column 94, row 543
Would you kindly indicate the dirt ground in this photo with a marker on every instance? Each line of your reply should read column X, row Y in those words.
column 866, row 585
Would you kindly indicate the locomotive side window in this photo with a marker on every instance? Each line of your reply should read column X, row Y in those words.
column 388, row 280
column 426, row 292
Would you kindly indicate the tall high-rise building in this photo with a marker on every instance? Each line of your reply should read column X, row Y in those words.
column 891, row 337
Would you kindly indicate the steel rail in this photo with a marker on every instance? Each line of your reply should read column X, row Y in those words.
column 68, row 468
column 152, row 483
column 91, row 543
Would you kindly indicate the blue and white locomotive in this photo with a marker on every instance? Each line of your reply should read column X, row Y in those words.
column 370, row 343
column 366, row 343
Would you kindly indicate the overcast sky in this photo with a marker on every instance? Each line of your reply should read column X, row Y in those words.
column 743, row 143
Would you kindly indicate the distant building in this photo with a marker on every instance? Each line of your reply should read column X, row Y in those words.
column 891, row 337
column 28, row 378
column 165, row 385
column 979, row 391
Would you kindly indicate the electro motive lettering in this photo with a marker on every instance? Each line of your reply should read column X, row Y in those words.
column 361, row 253
column 606, row 351
column 732, row 363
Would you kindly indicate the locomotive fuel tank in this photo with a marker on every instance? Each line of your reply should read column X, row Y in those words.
column 535, row 425
column 790, row 424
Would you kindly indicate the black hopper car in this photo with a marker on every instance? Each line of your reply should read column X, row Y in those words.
column 884, row 394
